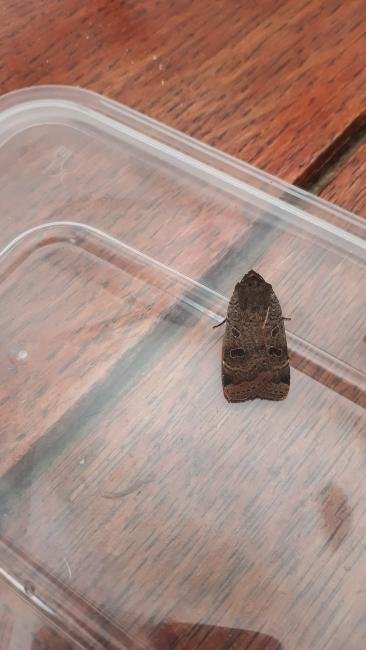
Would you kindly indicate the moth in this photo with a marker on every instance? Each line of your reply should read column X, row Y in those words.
column 255, row 361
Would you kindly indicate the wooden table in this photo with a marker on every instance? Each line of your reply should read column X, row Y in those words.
column 277, row 83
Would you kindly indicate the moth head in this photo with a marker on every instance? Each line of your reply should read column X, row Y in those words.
column 252, row 280
column 254, row 292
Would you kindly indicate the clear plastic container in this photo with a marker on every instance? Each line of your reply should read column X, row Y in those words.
column 138, row 509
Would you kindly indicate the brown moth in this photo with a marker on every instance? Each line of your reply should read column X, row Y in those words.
column 254, row 353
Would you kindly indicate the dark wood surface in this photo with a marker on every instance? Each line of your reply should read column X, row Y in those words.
column 278, row 84
column 345, row 183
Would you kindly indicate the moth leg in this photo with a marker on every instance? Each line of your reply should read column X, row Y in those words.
column 284, row 318
column 219, row 324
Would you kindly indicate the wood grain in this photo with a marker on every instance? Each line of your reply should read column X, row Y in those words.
column 275, row 83
column 237, row 524
column 346, row 184
column 217, row 545
column 231, row 529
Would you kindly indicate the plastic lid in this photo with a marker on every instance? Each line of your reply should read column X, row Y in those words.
column 137, row 507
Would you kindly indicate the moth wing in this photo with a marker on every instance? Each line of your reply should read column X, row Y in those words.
column 275, row 385
column 254, row 357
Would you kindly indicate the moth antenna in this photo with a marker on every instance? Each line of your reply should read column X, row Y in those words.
column 219, row 324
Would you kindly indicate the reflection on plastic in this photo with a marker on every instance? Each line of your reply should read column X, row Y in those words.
column 210, row 637
column 168, row 636
column 74, row 623
column 304, row 356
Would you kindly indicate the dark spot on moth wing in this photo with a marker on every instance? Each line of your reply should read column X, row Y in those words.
column 274, row 352
column 275, row 331
column 235, row 316
column 235, row 332
column 237, row 352
column 285, row 375
column 282, row 376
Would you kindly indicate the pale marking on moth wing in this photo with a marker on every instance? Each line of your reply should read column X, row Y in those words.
column 228, row 366
column 284, row 365
column 266, row 318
